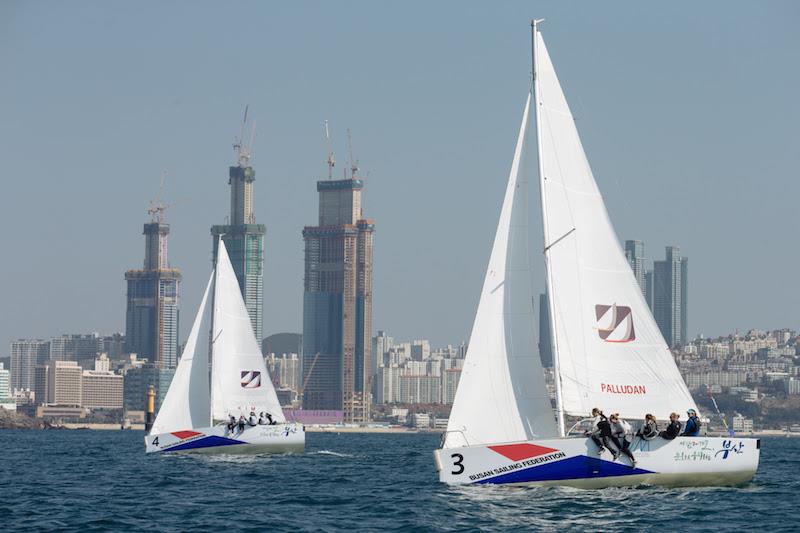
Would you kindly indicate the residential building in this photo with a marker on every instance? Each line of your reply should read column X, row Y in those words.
column 634, row 253
column 670, row 296
column 337, row 302
column 81, row 348
column 26, row 355
column 5, row 384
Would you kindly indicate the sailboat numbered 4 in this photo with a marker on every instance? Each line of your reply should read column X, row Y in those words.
column 238, row 411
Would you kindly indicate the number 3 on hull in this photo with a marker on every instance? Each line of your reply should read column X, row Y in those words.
column 608, row 351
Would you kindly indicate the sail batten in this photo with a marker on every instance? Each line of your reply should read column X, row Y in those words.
column 608, row 351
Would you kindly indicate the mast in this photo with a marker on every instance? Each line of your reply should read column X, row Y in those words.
column 550, row 301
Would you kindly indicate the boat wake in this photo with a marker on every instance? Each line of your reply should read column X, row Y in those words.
column 329, row 452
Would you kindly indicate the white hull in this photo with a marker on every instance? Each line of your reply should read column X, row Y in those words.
column 685, row 461
column 280, row 438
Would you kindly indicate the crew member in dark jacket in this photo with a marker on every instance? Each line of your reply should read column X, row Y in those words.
column 673, row 429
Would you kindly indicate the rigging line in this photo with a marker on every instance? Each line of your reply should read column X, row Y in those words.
column 559, row 239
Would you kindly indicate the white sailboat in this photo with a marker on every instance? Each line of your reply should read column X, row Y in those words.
column 608, row 350
column 239, row 385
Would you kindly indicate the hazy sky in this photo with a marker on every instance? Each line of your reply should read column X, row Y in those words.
column 688, row 112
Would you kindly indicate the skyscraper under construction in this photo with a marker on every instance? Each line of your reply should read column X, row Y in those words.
column 151, row 320
column 244, row 239
column 337, row 302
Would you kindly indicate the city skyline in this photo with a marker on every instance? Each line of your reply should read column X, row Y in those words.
column 692, row 161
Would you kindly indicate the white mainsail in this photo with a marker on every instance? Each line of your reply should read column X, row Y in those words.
column 186, row 404
column 501, row 396
column 239, row 378
column 609, row 353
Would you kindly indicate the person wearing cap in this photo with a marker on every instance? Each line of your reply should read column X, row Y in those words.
column 692, row 428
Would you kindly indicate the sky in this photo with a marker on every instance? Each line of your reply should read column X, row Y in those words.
column 688, row 113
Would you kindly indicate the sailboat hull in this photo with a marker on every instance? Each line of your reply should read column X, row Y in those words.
column 280, row 438
column 575, row 462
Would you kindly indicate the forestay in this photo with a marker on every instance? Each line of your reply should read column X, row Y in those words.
column 610, row 352
column 240, row 381
column 501, row 396
column 186, row 404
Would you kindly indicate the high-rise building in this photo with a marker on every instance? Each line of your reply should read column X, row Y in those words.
column 151, row 320
column 634, row 253
column 26, row 355
column 545, row 342
column 337, row 302
column 81, row 348
column 649, row 289
column 670, row 296
column 64, row 384
column 244, row 239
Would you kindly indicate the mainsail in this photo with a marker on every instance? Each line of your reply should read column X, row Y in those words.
column 501, row 396
column 239, row 378
column 609, row 353
column 186, row 404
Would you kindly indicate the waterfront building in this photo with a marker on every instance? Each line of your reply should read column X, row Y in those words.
column 649, row 289
column 244, row 239
column 64, row 384
column 151, row 319
column 138, row 379
column 5, row 384
column 545, row 340
column 102, row 388
column 670, row 296
column 634, row 253
column 337, row 302
column 26, row 355
column 741, row 424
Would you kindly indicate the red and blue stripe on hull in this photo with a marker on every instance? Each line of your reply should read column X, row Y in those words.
column 548, row 464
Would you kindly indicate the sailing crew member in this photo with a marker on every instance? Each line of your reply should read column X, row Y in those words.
column 252, row 420
column 649, row 430
column 231, row 423
column 601, row 432
column 692, row 428
column 620, row 430
column 262, row 420
column 241, row 423
column 270, row 420
column 673, row 429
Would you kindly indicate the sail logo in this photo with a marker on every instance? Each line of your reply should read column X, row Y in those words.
column 614, row 323
column 251, row 379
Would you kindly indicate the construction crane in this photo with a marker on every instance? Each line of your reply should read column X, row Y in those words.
column 331, row 162
column 157, row 206
column 353, row 162
column 308, row 376
column 244, row 151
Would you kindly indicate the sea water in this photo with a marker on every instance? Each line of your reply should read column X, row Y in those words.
column 102, row 481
